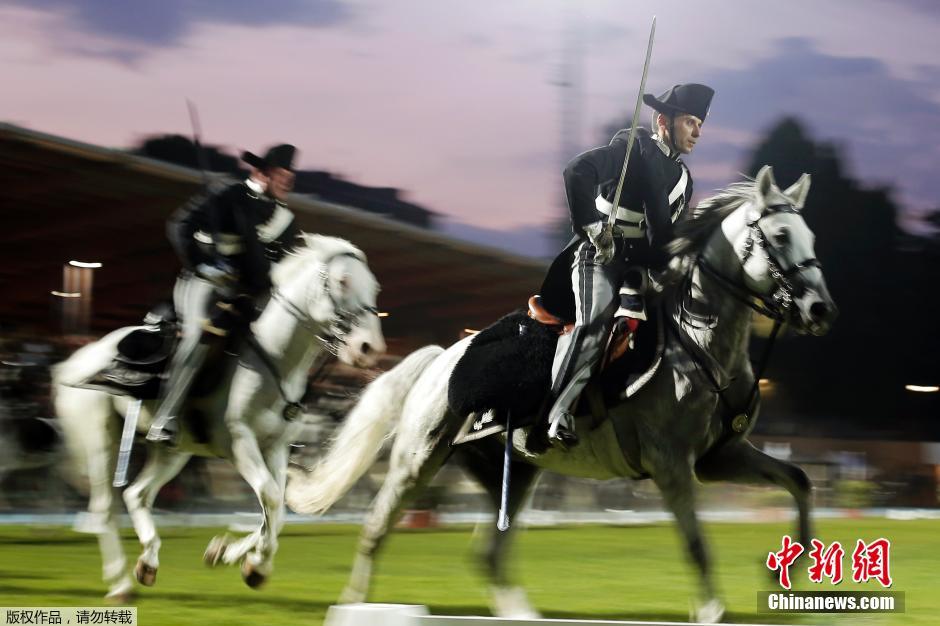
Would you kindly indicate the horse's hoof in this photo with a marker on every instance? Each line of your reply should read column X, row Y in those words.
column 252, row 577
column 512, row 603
column 215, row 550
column 709, row 613
column 121, row 597
column 351, row 596
column 146, row 574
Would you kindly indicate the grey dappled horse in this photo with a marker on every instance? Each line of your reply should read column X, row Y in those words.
column 749, row 241
column 320, row 291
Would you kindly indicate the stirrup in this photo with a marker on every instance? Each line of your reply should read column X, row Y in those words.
column 560, row 436
column 167, row 433
column 563, row 439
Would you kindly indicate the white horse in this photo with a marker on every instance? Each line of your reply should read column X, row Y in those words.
column 747, row 242
column 319, row 290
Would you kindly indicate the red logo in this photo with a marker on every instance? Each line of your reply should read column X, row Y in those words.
column 783, row 559
column 872, row 561
column 826, row 563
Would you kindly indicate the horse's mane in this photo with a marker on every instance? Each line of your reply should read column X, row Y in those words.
column 314, row 249
column 692, row 234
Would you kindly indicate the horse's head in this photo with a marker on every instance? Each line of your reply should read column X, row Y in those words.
column 347, row 308
column 775, row 247
column 340, row 299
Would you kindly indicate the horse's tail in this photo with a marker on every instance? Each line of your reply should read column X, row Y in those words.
column 84, row 414
column 359, row 441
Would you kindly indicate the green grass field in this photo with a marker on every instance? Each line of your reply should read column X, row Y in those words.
column 588, row 572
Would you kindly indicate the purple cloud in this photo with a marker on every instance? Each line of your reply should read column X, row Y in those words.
column 165, row 23
column 888, row 126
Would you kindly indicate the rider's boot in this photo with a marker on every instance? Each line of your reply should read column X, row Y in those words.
column 561, row 427
column 183, row 373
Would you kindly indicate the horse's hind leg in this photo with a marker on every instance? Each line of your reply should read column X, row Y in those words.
column 87, row 418
column 161, row 466
column 676, row 482
column 484, row 461
column 415, row 460
column 102, row 505
column 741, row 462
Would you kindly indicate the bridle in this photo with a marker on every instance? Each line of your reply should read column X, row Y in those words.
column 777, row 306
column 333, row 338
column 342, row 320
column 787, row 280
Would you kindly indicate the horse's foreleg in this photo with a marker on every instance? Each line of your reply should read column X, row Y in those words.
column 741, row 462
column 161, row 466
column 249, row 461
column 235, row 552
column 485, row 463
column 676, row 482
column 414, row 463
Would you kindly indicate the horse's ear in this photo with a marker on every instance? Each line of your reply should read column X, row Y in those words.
column 765, row 182
column 798, row 191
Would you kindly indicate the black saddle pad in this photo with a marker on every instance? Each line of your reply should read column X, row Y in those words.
column 507, row 367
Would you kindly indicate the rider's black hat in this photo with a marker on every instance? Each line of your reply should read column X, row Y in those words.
column 690, row 98
column 278, row 156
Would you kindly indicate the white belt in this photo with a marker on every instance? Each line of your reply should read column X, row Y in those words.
column 225, row 244
column 631, row 224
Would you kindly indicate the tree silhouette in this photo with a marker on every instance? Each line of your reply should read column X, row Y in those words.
column 182, row 151
column 851, row 382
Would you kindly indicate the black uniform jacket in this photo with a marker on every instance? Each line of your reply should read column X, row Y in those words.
column 652, row 174
column 246, row 229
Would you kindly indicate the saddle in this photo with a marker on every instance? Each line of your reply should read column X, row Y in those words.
column 137, row 368
column 506, row 370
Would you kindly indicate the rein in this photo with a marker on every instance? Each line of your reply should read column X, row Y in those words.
column 340, row 325
column 776, row 307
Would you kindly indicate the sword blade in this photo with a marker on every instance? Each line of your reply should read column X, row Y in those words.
column 612, row 219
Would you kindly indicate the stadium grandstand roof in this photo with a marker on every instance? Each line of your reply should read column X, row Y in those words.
column 67, row 200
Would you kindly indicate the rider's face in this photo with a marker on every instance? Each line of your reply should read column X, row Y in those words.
column 687, row 129
column 280, row 182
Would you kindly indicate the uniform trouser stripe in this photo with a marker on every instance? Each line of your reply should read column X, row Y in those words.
column 191, row 296
column 584, row 296
column 596, row 297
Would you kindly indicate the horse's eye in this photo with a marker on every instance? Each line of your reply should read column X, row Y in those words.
column 782, row 236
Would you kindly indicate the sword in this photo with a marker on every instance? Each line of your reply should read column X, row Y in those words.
column 502, row 522
column 197, row 142
column 612, row 218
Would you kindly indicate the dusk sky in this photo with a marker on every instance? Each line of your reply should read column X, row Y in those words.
column 459, row 104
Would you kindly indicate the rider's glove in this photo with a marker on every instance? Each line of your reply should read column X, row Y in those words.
column 677, row 267
column 601, row 234
column 220, row 273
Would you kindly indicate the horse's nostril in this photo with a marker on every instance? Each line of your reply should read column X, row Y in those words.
column 818, row 310
column 366, row 348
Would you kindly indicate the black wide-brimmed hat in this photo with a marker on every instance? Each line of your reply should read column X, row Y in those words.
column 690, row 98
column 278, row 156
